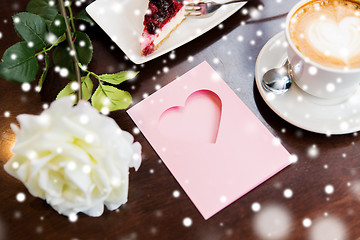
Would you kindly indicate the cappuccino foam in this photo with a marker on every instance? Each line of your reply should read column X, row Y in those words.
column 328, row 32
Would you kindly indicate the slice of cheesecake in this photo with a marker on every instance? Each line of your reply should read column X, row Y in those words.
column 161, row 18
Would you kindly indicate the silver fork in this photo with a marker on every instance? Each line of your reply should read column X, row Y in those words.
column 205, row 9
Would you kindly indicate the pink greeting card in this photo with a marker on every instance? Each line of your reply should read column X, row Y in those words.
column 211, row 142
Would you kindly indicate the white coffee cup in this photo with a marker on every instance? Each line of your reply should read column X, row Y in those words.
column 324, row 82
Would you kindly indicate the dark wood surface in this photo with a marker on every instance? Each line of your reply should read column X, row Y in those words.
column 152, row 212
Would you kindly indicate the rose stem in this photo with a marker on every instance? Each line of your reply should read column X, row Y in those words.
column 72, row 48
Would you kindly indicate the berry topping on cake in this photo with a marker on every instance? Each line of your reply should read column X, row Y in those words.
column 161, row 18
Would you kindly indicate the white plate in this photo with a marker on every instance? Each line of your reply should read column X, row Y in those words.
column 300, row 108
column 122, row 20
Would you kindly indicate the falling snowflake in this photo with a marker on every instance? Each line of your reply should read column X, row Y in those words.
column 223, row 199
column 16, row 20
column 40, row 57
column 172, row 55
column 306, row 222
column 74, row 86
column 187, row 222
column 165, row 69
column 50, row 38
column 216, row 60
column 20, row 197
column 176, row 193
column 57, row 22
column 255, row 206
column 82, row 43
column 329, row 189
column 45, row 106
column 73, row 217
column 313, row 151
column 17, row 214
column 273, row 222
column 39, row 229
column 157, row 87
column 255, row 13
column 293, row 158
column 240, row 38
column 136, row 130
column 30, row 44
column 137, row 12
column 288, row 193
column 276, row 141
column 105, row 110
column 82, row 27
column 328, row 228
column 312, row 70
column 26, row 87
column 64, row 72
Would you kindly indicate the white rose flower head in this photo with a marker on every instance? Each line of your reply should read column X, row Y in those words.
column 73, row 157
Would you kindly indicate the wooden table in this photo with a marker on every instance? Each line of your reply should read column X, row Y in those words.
column 152, row 212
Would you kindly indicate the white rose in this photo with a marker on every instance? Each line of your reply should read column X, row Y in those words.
column 74, row 158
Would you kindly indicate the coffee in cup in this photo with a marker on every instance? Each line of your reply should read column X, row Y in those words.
column 328, row 32
column 323, row 39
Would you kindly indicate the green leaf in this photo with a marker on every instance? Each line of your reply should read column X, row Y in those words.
column 82, row 15
column 83, row 47
column 62, row 58
column 47, row 9
column 87, row 87
column 111, row 98
column 46, row 70
column 118, row 78
column 60, row 40
column 57, row 26
column 31, row 28
column 19, row 64
column 66, row 91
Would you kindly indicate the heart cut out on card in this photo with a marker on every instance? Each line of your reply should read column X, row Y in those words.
column 339, row 39
column 197, row 121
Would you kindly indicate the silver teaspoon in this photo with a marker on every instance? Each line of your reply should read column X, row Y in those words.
column 278, row 80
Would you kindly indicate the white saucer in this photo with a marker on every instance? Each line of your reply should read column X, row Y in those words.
column 300, row 108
